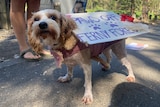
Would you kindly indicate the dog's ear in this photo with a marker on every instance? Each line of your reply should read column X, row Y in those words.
column 33, row 39
column 67, row 24
column 67, row 34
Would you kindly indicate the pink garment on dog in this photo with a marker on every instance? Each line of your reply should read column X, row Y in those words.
column 95, row 49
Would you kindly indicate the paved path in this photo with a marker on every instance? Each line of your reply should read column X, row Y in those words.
column 23, row 84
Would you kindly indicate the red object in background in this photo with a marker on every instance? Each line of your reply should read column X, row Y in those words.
column 125, row 17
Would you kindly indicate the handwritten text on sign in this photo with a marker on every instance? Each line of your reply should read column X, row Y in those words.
column 99, row 27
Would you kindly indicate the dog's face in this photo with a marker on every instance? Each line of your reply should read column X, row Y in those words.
column 49, row 27
column 46, row 26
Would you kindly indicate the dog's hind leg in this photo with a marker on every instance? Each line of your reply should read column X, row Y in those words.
column 126, row 63
column 68, row 76
column 106, row 65
column 119, row 50
column 107, row 54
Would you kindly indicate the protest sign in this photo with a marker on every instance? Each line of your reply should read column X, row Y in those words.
column 99, row 27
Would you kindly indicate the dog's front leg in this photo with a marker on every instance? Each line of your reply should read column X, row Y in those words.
column 88, row 97
column 68, row 76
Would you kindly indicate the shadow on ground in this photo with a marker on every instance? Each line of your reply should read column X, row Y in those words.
column 134, row 95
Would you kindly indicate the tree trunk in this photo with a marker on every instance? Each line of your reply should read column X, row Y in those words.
column 145, row 11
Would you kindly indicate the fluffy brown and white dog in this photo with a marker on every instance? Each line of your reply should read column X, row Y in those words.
column 50, row 27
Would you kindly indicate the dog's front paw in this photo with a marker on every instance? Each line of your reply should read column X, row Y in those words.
column 65, row 78
column 130, row 78
column 87, row 99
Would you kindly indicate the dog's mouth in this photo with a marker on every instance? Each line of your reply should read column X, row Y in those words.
column 45, row 32
column 55, row 44
column 48, row 32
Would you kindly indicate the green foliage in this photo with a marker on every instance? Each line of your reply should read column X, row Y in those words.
column 138, row 7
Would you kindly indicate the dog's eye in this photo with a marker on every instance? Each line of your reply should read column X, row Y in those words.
column 36, row 19
column 53, row 17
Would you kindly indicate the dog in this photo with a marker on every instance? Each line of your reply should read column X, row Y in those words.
column 54, row 29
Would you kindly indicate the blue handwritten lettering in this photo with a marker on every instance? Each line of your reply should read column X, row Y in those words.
column 88, row 20
column 111, row 17
column 104, row 34
column 120, row 31
column 84, row 36
column 93, row 36
column 90, row 36
column 93, row 19
column 80, row 20
column 95, row 26
column 80, row 36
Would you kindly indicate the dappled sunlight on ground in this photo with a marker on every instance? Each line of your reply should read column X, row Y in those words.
column 34, row 84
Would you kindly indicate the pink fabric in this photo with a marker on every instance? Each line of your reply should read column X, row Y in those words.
column 95, row 49
column 67, row 53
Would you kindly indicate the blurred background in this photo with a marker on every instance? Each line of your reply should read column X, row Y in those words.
column 145, row 10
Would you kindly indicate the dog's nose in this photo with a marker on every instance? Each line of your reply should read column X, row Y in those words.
column 43, row 25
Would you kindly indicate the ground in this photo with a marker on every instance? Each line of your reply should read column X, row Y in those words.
column 34, row 84
column 8, row 45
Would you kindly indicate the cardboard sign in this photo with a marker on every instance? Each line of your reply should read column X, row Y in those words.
column 99, row 27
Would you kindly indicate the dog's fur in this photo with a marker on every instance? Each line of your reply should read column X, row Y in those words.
column 54, row 29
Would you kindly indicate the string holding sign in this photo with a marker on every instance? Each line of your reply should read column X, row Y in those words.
column 99, row 27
